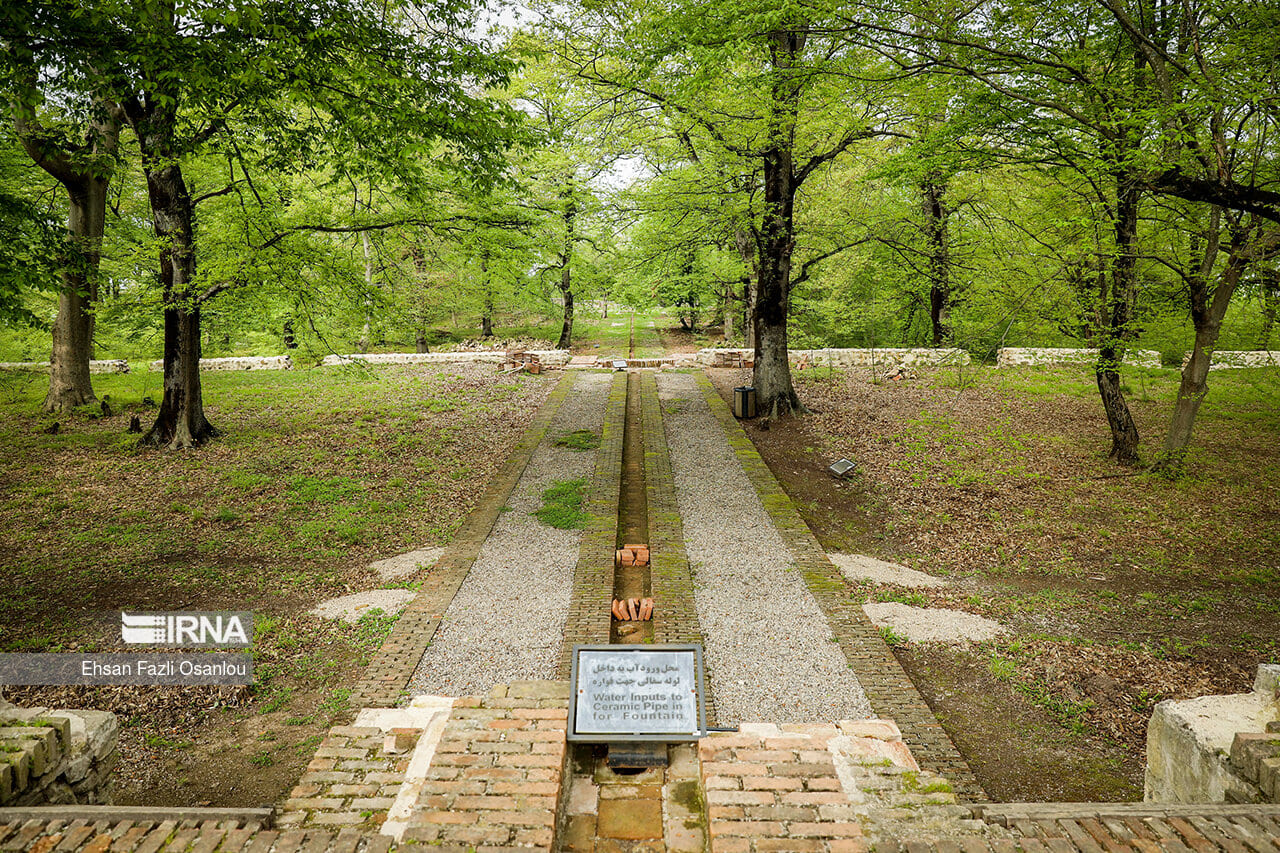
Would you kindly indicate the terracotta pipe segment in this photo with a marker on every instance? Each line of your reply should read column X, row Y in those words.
column 646, row 608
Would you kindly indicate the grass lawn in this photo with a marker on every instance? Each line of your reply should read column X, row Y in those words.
column 318, row 473
column 1122, row 588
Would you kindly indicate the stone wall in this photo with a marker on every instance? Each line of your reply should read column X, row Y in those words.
column 56, row 757
column 1235, row 359
column 1025, row 356
column 833, row 357
column 547, row 358
column 1190, row 755
column 113, row 365
column 270, row 362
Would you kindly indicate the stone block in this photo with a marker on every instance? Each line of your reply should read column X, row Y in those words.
column 1189, row 741
column 630, row 819
column 1267, row 680
column 279, row 362
column 877, row 729
column 95, row 731
column 20, row 765
column 1269, row 778
column 1248, row 749
column 1026, row 356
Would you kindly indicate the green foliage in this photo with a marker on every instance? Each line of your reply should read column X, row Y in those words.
column 562, row 505
column 582, row 439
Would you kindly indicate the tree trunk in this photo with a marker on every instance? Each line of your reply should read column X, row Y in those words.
column 1118, row 311
column 935, row 219
column 1270, row 305
column 69, row 381
column 420, row 341
column 86, row 185
column 366, row 333
column 290, row 340
column 775, row 394
column 1206, row 315
column 180, row 422
column 729, row 310
column 486, row 315
column 566, row 329
column 566, row 282
column 747, row 250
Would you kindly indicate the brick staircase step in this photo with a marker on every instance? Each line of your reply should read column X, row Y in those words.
column 1009, row 814
column 71, row 812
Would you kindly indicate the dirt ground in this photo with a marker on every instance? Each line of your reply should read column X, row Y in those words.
column 1122, row 589
column 317, row 474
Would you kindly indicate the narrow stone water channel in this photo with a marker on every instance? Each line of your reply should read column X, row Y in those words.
column 633, row 520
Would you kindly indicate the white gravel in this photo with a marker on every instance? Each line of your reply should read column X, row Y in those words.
column 858, row 567
column 349, row 608
column 507, row 621
column 769, row 647
column 406, row 565
column 932, row 624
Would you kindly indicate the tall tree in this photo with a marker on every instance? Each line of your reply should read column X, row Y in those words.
column 778, row 87
column 1250, row 240
column 76, row 143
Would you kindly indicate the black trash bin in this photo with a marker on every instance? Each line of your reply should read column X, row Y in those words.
column 744, row 402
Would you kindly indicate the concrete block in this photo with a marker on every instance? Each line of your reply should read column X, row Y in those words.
column 1189, row 743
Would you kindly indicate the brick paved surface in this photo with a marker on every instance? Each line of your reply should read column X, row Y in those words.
column 190, row 836
column 495, row 779
column 1115, row 828
column 774, row 791
column 351, row 781
column 886, row 684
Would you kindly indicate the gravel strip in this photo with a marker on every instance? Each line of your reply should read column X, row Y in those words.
column 768, row 645
column 507, row 621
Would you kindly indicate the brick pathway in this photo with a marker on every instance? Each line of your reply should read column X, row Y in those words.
column 1115, row 828
column 126, row 836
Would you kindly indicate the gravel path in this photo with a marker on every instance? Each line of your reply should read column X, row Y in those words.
column 768, row 645
column 507, row 621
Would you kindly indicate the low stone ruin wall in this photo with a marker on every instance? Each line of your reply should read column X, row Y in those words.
column 546, row 357
column 1217, row 749
column 834, row 357
column 270, row 362
column 1025, row 356
column 56, row 757
column 112, row 365
column 1236, row 359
